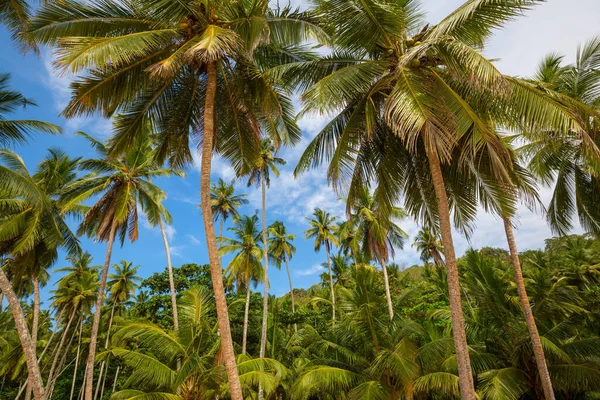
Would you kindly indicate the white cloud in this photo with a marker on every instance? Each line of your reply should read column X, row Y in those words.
column 314, row 270
column 193, row 240
column 177, row 251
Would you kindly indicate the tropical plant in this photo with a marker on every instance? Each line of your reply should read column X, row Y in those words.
column 322, row 230
column 245, row 268
column 429, row 247
column 125, row 184
column 224, row 202
column 282, row 250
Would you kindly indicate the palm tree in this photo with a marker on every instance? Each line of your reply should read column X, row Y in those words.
column 379, row 234
column 17, row 131
column 395, row 78
column 282, row 250
column 429, row 246
column 32, row 228
column 245, row 266
column 125, row 184
column 204, row 62
column 265, row 165
column 224, row 202
column 322, row 230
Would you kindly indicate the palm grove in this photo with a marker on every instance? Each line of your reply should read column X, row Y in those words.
column 422, row 126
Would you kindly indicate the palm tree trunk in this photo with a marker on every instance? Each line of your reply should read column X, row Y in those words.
column 114, row 385
column 465, row 373
column 536, row 342
column 24, row 337
column 34, row 327
column 58, row 317
column 103, row 365
column 76, row 360
column 287, row 269
column 55, row 361
column 331, row 283
column 89, row 367
column 246, row 312
column 60, row 370
column 216, row 271
column 437, row 259
column 171, row 279
column 388, row 296
column 263, row 333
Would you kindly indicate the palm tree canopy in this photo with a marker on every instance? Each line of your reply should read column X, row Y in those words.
column 124, row 282
column 223, row 200
column 322, row 229
column 18, row 131
column 280, row 245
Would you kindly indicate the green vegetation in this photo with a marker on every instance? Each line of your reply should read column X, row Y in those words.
column 418, row 129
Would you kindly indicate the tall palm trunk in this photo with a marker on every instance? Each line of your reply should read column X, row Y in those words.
column 437, row 259
column 76, row 360
column 465, row 374
column 388, row 296
column 24, row 337
column 59, row 370
column 263, row 333
column 103, row 365
column 331, row 283
column 34, row 328
column 536, row 342
column 89, row 367
column 287, row 269
column 216, row 271
column 114, row 385
column 61, row 343
column 171, row 279
column 246, row 312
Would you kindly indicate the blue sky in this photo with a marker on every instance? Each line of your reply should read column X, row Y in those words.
column 556, row 25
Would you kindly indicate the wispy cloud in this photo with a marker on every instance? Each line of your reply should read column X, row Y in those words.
column 193, row 240
column 314, row 270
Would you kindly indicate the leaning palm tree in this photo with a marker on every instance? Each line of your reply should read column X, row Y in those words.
column 124, row 184
column 379, row 234
column 282, row 250
column 122, row 286
column 194, row 67
column 12, row 130
column 322, row 230
column 429, row 247
column 265, row 165
column 392, row 76
column 244, row 269
column 224, row 203
column 32, row 228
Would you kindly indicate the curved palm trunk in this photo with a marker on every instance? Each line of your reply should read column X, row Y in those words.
column 50, row 384
column 114, row 385
column 388, row 296
column 37, row 384
column 246, row 312
column 287, row 269
column 331, row 283
column 216, row 270
column 89, row 367
column 437, row 259
column 171, row 279
column 465, row 374
column 76, row 360
column 536, row 342
column 34, row 327
column 53, row 368
column 103, row 365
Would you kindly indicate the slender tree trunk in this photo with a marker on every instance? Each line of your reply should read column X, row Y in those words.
column 58, row 317
column 331, row 283
column 114, row 385
column 216, row 270
column 50, row 384
column 437, row 259
column 465, row 374
column 171, row 279
column 34, row 328
column 24, row 337
column 89, row 367
column 536, row 342
column 287, row 268
column 246, row 312
column 76, row 360
column 263, row 334
column 53, row 368
column 388, row 296
column 103, row 365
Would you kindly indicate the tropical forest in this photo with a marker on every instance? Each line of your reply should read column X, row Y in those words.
column 302, row 200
